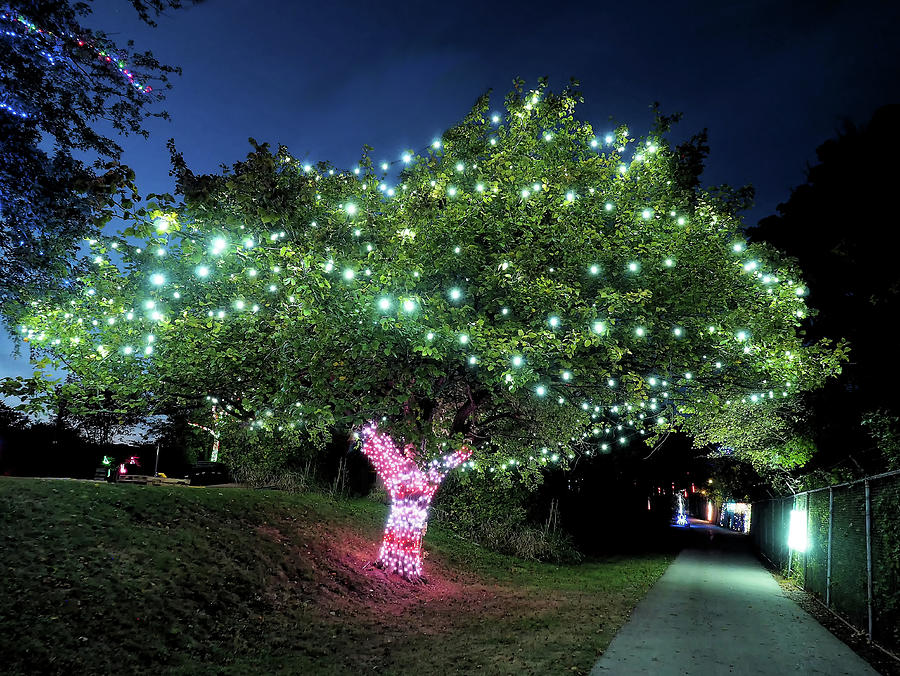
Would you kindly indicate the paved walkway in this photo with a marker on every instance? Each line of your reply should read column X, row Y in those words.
column 716, row 610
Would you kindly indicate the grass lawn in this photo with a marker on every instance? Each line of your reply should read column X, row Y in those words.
column 100, row 578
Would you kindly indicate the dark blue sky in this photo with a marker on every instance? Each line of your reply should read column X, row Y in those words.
column 770, row 79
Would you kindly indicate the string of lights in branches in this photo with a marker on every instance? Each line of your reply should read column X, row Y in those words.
column 55, row 48
column 526, row 288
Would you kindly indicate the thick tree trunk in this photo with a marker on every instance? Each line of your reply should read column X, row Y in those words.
column 401, row 548
column 411, row 490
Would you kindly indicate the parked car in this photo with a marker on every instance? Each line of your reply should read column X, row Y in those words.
column 207, row 473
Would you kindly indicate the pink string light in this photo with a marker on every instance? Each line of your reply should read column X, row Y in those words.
column 411, row 490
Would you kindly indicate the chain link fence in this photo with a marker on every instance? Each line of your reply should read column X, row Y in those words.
column 842, row 544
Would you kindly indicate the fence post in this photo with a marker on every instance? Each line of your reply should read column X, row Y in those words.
column 806, row 553
column 790, row 552
column 830, row 529
column 779, row 543
column 869, row 556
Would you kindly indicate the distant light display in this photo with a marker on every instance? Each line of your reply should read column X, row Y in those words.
column 736, row 516
column 134, row 461
column 681, row 517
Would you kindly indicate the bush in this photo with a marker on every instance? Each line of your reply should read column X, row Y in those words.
column 524, row 541
column 280, row 479
column 494, row 514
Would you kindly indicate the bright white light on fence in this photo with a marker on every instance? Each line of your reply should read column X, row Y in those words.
column 797, row 533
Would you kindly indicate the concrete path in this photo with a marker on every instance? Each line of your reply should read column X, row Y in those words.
column 716, row 610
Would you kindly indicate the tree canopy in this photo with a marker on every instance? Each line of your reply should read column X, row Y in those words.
column 527, row 287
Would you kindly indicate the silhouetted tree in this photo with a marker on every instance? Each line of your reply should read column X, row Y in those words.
column 840, row 225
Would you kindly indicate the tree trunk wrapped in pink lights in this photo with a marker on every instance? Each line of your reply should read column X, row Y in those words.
column 411, row 490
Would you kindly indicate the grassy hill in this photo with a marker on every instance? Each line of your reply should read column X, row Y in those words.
column 101, row 578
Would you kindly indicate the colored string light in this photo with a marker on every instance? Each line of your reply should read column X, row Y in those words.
column 411, row 490
column 213, row 431
column 13, row 111
column 47, row 40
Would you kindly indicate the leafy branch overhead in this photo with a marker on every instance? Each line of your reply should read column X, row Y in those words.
column 65, row 86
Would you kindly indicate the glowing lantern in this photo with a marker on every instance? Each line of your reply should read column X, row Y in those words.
column 797, row 539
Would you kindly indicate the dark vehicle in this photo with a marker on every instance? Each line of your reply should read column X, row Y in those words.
column 207, row 473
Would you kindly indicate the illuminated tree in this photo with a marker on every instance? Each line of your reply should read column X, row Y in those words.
column 213, row 432
column 524, row 292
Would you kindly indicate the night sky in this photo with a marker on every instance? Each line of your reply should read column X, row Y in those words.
column 771, row 80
